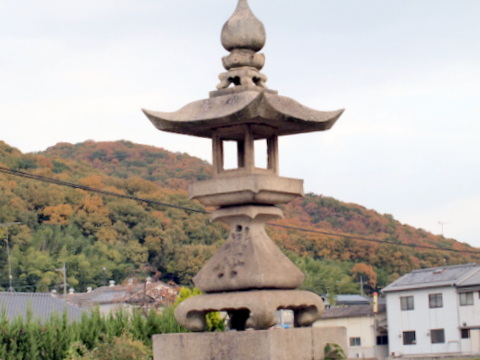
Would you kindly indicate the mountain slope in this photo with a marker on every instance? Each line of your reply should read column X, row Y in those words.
column 124, row 159
column 92, row 232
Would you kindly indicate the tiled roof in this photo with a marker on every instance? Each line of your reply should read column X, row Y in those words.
column 352, row 299
column 43, row 305
column 472, row 279
column 119, row 294
column 351, row 311
column 443, row 276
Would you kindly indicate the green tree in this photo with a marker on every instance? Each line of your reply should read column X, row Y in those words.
column 123, row 347
column 214, row 320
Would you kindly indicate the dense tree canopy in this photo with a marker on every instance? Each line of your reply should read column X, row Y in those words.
column 102, row 237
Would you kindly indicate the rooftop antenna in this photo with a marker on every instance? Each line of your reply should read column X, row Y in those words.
column 10, row 278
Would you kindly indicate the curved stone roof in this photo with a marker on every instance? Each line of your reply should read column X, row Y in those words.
column 284, row 115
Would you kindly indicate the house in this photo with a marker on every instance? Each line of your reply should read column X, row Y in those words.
column 131, row 295
column 366, row 329
column 435, row 312
column 42, row 306
column 351, row 299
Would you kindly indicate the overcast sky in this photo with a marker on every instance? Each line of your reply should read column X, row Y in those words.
column 407, row 72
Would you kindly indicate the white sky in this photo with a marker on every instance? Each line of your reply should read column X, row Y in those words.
column 407, row 72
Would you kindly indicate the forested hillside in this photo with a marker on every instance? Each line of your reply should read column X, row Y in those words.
column 102, row 237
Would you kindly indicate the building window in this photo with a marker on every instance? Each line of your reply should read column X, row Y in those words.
column 406, row 302
column 435, row 301
column 465, row 333
column 437, row 336
column 409, row 338
column 382, row 340
column 466, row 298
column 355, row 341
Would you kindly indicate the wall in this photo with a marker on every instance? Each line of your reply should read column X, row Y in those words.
column 423, row 319
column 362, row 327
column 280, row 344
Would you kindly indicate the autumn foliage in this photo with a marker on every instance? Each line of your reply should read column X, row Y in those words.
column 106, row 237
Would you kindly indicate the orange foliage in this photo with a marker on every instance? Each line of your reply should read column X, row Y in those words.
column 59, row 214
column 94, row 181
column 366, row 270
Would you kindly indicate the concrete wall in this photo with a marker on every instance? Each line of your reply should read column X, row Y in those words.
column 278, row 344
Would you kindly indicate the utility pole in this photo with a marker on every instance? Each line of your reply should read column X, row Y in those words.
column 104, row 275
column 442, row 223
column 64, row 271
column 10, row 278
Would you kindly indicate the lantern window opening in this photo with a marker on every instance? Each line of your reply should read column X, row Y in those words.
column 247, row 148
column 260, row 150
column 232, row 154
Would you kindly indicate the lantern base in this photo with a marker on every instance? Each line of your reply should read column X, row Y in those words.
column 278, row 344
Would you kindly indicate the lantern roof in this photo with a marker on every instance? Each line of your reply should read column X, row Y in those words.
column 242, row 96
column 283, row 115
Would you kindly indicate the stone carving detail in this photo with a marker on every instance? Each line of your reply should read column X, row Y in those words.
column 253, row 309
column 243, row 35
column 249, row 259
column 244, row 76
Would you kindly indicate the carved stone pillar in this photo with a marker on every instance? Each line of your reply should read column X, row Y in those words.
column 249, row 277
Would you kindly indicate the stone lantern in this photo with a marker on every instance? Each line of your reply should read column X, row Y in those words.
column 249, row 277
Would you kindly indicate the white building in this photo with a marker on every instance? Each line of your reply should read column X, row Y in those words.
column 366, row 329
column 435, row 312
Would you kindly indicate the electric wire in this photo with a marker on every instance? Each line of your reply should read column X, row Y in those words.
column 92, row 189
column 363, row 238
column 189, row 209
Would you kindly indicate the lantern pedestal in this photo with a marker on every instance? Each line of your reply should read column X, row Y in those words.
column 276, row 344
column 249, row 277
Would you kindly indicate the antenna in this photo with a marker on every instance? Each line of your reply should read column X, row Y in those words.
column 10, row 277
column 442, row 223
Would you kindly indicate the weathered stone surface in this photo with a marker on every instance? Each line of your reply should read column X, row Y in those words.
column 278, row 344
column 243, row 57
column 284, row 115
column 248, row 213
column 243, row 30
column 251, row 309
column 246, row 189
column 249, row 277
column 249, row 259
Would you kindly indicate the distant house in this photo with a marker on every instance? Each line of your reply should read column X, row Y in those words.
column 42, row 305
column 435, row 312
column 366, row 329
column 132, row 295
column 351, row 299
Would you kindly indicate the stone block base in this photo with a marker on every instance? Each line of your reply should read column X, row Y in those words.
column 276, row 344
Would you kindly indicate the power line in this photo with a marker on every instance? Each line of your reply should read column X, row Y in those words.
column 154, row 202
column 91, row 189
column 363, row 238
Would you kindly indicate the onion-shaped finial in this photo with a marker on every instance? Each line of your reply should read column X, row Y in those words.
column 243, row 35
column 243, row 30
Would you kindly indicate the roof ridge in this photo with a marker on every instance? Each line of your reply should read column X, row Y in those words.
column 16, row 293
column 445, row 267
column 468, row 275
